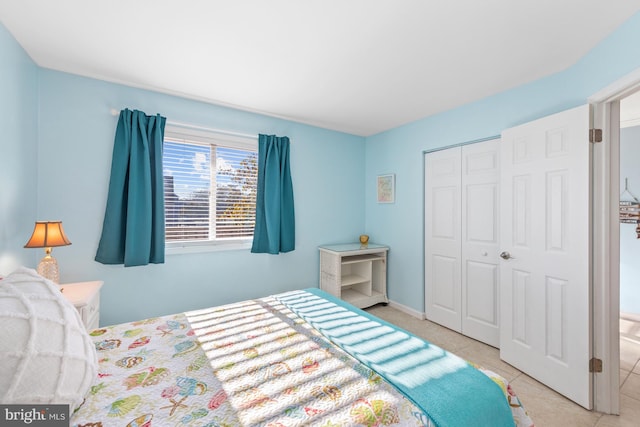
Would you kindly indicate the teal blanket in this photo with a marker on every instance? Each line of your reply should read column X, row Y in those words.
column 449, row 390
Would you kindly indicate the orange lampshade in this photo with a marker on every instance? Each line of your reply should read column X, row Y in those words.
column 47, row 234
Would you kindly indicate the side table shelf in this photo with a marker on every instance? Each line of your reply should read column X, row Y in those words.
column 355, row 273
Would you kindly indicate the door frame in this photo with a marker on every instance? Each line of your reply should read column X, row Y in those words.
column 606, row 240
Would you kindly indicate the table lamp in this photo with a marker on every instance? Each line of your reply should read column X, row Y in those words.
column 48, row 234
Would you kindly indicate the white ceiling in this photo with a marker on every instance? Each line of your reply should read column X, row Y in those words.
column 358, row 66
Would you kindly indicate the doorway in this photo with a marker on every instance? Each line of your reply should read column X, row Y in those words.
column 606, row 229
column 629, row 245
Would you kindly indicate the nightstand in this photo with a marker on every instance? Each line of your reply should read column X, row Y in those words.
column 354, row 272
column 85, row 296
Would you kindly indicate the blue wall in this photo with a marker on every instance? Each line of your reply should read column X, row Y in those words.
column 75, row 146
column 18, row 153
column 629, row 242
column 400, row 150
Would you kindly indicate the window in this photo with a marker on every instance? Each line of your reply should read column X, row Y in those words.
column 210, row 184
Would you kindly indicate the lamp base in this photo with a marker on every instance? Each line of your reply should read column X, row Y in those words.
column 48, row 268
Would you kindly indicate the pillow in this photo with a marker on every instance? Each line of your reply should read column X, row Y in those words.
column 46, row 355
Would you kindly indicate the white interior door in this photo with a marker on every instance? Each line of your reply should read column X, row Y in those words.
column 480, row 245
column 461, row 239
column 442, row 237
column 545, row 227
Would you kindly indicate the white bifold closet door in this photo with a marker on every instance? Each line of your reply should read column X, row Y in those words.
column 461, row 239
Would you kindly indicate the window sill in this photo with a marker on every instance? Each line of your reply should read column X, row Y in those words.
column 191, row 248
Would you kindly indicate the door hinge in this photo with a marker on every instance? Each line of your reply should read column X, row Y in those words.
column 595, row 365
column 595, row 135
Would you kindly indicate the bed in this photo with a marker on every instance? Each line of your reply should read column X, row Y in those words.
column 297, row 358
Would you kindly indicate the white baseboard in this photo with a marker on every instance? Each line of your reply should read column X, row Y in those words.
column 410, row 311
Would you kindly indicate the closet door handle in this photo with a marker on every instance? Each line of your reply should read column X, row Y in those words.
column 506, row 255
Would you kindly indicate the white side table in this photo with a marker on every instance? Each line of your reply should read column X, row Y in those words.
column 85, row 296
column 355, row 273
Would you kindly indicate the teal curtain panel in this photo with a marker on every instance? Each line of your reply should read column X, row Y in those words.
column 275, row 229
column 133, row 227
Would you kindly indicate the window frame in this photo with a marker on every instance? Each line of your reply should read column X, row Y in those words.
column 212, row 139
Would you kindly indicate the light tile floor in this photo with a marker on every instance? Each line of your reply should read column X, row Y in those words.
column 546, row 407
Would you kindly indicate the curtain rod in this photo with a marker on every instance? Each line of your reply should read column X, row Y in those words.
column 115, row 112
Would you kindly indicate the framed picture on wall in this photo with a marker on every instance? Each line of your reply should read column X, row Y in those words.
column 387, row 188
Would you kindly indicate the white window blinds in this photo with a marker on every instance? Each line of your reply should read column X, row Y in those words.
column 209, row 186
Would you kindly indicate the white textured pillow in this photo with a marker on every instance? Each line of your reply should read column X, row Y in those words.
column 46, row 355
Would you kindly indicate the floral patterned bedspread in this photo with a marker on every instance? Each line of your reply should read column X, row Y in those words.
column 252, row 363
